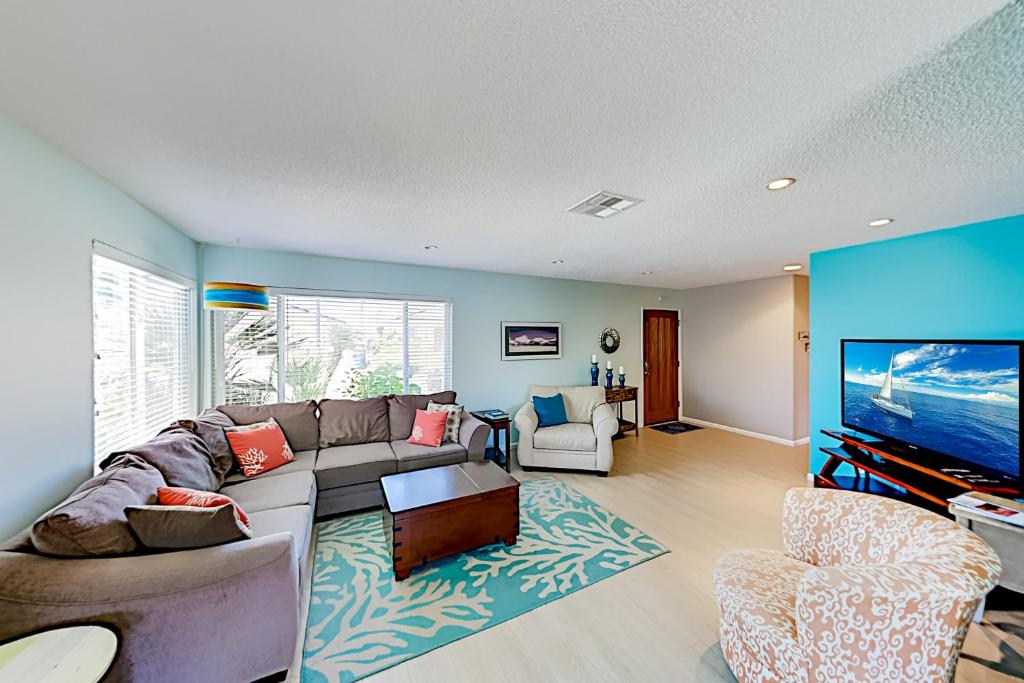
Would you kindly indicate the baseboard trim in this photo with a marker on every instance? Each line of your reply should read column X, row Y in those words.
column 746, row 432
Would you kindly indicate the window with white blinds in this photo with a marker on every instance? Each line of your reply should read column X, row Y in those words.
column 143, row 375
column 331, row 347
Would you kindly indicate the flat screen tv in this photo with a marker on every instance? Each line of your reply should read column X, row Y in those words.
column 942, row 403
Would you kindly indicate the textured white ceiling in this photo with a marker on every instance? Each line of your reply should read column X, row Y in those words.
column 368, row 129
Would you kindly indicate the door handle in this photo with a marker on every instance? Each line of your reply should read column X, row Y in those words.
column 646, row 368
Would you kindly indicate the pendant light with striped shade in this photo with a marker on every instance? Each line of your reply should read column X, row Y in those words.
column 235, row 296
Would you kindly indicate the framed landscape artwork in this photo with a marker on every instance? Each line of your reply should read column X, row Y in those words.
column 531, row 341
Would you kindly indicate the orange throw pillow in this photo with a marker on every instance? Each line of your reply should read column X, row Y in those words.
column 428, row 429
column 259, row 447
column 173, row 495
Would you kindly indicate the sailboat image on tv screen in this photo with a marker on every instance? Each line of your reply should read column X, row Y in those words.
column 884, row 398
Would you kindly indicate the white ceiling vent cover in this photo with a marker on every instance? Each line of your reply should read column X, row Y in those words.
column 604, row 204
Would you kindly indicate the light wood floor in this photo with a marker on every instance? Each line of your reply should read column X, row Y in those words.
column 701, row 494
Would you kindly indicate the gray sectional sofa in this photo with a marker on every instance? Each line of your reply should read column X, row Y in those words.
column 227, row 612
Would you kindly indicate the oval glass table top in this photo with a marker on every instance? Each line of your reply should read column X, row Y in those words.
column 74, row 654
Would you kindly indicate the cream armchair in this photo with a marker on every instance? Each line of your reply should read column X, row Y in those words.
column 867, row 589
column 584, row 443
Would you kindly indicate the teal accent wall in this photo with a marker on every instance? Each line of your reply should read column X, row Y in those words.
column 480, row 301
column 959, row 283
column 51, row 209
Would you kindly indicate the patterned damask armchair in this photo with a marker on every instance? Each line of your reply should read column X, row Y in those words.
column 868, row 589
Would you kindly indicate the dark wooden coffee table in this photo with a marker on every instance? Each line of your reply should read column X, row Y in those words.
column 442, row 511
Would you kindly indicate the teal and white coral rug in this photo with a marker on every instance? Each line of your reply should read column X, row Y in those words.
column 362, row 621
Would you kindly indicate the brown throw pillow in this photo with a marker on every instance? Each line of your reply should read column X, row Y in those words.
column 297, row 420
column 344, row 422
column 182, row 457
column 402, row 411
column 91, row 521
column 167, row 527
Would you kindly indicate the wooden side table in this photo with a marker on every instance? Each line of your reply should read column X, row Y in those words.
column 618, row 396
column 73, row 654
column 496, row 425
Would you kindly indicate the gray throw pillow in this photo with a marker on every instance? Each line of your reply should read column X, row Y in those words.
column 297, row 420
column 402, row 411
column 182, row 457
column 344, row 422
column 452, row 423
column 169, row 527
column 91, row 521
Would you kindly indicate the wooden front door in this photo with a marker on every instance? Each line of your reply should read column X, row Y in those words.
column 661, row 366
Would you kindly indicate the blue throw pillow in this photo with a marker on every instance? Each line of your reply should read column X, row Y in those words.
column 550, row 410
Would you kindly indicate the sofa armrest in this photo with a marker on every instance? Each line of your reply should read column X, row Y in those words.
column 473, row 435
column 526, row 421
column 606, row 425
column 169, row 609
column 846, row 613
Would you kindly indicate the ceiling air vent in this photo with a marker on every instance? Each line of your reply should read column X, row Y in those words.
column 604, row 204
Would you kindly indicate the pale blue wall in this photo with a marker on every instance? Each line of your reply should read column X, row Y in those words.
column 51, row 208
column 480, row 301
column 965, row 283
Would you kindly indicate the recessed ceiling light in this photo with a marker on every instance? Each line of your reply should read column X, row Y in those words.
column 879, row 222
column 792, row 267
column 430, row 247
column 780, row 183
column 558, row 261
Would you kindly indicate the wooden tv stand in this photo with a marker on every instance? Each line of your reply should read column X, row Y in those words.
column 880, row 470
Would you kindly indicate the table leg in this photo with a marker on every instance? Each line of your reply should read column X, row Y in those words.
column 508, row 449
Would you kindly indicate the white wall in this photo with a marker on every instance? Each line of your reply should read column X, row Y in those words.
column 738, row 355
column 51, row 208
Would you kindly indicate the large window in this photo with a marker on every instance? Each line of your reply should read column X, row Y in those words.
column 330, row 347
column 143, row 370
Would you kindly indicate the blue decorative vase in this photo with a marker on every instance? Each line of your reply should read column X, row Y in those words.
column 608, row 379
column 622, row 381
column 593, row 374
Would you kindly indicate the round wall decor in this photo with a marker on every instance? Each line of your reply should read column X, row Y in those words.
column 609, row 340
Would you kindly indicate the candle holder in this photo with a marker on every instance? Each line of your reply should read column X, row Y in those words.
column 593, row 374
column 622, row 380
column 608, row 379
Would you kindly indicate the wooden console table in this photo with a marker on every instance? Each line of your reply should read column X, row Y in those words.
column 618, row 396
column 879, row 470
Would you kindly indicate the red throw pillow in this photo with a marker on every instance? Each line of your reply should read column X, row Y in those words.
column 428, row 429
column 259, row 447
column 173, row 495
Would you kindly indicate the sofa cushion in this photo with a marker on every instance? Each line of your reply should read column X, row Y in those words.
column 91, row 521
column 210, row 428
column 402, row 410
column 298, row 420
column 570, row 436
column 175, row 527
column 303, row 462
column 296, row 520
column 172, row 495
column 259, row 447
column 355, row 464
column 413, row 457
column 181, row 457
column 550, row 410
column 580, row 401
column 344, row 422
column 453, row 423
column 267, row 493
column 757, row 592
